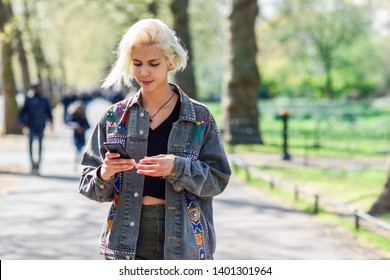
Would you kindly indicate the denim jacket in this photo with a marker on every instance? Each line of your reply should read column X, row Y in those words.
column 201, row 172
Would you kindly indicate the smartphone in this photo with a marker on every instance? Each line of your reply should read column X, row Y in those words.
column 116, row 147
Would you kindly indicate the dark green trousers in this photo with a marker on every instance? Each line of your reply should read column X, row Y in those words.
column 150, row 243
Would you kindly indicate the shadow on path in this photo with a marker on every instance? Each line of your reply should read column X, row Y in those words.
column 44, row 176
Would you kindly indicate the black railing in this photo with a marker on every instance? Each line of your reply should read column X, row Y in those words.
column 329, row 148
column 318, row 200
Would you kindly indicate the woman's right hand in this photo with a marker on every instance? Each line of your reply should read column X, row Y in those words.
column 113, row 164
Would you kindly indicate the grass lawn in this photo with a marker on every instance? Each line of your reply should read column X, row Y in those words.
column 358, row 188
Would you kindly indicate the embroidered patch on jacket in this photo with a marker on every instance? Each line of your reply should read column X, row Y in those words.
column 117, row 193
column 110, row 118
column 195, row 215
column 119, row 110
column 198, row 127
column 114, row 206
column 191, row 155
column 197, row 130
column 123, row 111
column 116, row 138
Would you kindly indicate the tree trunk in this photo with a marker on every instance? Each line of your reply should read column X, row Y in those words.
column 186, row 78
column 9, row 88
column 153, row 8
column 382, row 203
column 22, row 60
column 328, row 66
column 242, row 80
column 43, row 67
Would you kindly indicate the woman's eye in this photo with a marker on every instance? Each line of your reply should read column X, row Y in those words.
column 137, row 64
column 154, row 65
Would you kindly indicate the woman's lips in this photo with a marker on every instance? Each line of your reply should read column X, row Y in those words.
column 146, row 83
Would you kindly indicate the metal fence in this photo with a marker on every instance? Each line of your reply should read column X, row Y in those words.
column 361, row 219
column 331, row 148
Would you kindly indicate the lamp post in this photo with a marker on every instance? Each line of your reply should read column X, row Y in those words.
column 284, row 116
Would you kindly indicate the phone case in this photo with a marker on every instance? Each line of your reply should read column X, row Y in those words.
column 116, row 147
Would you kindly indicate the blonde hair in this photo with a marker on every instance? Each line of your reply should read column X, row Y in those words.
column 145, row 32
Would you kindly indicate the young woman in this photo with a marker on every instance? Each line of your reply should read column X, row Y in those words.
column 161, row 196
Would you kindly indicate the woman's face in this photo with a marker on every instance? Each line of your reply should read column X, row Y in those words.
column 150, row 67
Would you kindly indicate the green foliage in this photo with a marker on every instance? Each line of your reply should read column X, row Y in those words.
column 207, row 30
column 324, row 128
column 89, row 35
column 80, row 39
column 319, row 42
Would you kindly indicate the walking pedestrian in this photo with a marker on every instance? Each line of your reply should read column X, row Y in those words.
column 79, row 123
column 162, row 196
column 34, row 114
column 68, row 97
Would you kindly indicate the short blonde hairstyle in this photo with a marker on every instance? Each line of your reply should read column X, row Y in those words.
column 151, row 32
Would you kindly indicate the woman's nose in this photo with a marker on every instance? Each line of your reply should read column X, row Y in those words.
column 144, row 72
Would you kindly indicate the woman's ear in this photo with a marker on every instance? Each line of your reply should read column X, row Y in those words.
column 172, row 62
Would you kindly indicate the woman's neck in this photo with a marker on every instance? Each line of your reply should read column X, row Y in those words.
column 154, row 98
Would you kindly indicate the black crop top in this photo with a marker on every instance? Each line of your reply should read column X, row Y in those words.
column 158, row 144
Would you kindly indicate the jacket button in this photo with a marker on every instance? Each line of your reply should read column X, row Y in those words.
column 142, row 114
column 101, row 186
column 132, row 224
column 141, row 132
column 136, row 194
column 127, row 257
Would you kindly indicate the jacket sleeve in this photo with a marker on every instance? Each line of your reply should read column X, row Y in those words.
column 206, row 176
column 91, row 185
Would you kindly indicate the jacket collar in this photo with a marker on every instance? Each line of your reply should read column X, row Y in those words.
column 187, row 111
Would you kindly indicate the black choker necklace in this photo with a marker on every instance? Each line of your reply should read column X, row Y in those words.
column 152, row 116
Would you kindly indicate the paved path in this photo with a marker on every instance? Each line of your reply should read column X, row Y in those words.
column 44, row 217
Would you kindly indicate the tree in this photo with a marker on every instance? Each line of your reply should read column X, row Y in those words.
column 185, row 78
column 44, row 70
column 22, row 60
column 320, row 28
column 241, row 82
column 382, row 204
column 208, row 43
column 9, row 87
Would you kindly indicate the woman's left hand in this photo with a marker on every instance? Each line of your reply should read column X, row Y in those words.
column 156, row 166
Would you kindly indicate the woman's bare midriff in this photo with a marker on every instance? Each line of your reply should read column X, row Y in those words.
column 149, row 200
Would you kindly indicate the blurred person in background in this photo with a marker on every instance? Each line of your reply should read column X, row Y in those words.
column 33, row 115
column 67, row 98
column 79, row 123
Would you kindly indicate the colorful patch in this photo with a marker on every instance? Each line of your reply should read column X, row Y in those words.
column 197, row 129
column 110, row 118
column 195, row 215
column 121, row 111
column 191, row 155
column 199, row 239
column 109, row 225
column 117, row 194
column 124, row 113
column 117, row 190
